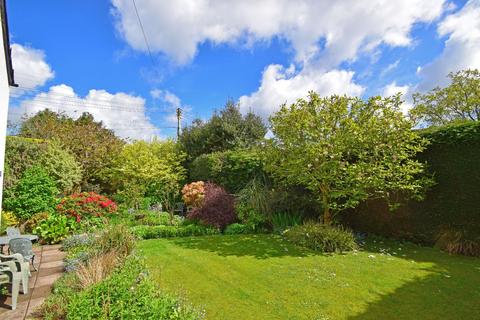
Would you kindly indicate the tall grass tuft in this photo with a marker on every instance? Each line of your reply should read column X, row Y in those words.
column 116, row 238
column 96, row 269
column 459, row 242
column 284, row 220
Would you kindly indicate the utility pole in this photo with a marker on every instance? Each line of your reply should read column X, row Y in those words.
column 179, row 124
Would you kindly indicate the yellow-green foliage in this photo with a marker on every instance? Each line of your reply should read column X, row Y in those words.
column 457, row 102
column 149, row 169
column 33, row 222
column 61, row 166
column 346, row 150
column 57, row 161
column 8, row 220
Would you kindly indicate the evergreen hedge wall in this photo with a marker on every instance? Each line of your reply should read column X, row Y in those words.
column 231, row 169
column 452, row 204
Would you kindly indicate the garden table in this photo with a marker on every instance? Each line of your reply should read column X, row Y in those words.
column 6, row 239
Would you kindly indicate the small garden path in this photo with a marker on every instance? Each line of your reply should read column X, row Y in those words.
column 49, row 262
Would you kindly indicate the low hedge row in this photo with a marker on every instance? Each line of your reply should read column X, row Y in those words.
column 154, row 232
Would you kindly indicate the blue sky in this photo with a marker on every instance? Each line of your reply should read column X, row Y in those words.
column 260, row 53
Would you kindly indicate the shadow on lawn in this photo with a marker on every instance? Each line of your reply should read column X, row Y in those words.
column 258, row 246
column 450, row 291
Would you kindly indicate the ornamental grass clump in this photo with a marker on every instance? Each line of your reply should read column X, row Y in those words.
column 117, row 238
column 459, row 242
column 321, row 237
column 96, row 268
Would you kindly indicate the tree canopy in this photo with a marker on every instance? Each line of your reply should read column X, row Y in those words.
column 58, row 162
column 346, row 150
column 93, row 145
column 146, row 169
column 459, row 101
column 225, row 130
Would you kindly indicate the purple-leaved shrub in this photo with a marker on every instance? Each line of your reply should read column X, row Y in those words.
column 217, row 209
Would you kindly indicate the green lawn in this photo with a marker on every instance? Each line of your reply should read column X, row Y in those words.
column 263, row 277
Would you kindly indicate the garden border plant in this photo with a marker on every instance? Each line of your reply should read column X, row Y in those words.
column 105, row 280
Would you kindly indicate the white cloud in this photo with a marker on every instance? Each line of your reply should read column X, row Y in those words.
column 169, row 103
column 462, row 47
column 280, row 85
column 392, row 89
column 121, row 112
column 347, row 27
column 31, row 69
column 323, row 34
column 392, row 66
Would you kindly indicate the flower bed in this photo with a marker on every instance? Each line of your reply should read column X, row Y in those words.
column 85, row 205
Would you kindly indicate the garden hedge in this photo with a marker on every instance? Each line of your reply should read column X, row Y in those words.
column 155, row 232
column 59, row 163
column 232, row 169
column 453, row 158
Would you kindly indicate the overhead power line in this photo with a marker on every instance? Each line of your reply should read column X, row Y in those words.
column 143, row 32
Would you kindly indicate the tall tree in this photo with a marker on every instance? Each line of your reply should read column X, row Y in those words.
column 457, row 102
column 93, row 145
column 346, row 150
column 225, row 130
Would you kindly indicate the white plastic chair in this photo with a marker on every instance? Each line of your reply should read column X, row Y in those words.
column 21, row 265
column 24, row 247
column 8, row 275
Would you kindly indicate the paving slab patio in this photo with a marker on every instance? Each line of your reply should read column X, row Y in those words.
column 49, row 262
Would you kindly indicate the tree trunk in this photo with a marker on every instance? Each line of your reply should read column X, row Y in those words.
column 327, row 214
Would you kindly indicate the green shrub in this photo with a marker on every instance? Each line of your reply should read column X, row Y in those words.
column 60, row 164
column 155, row 218
column 35, row 192
column 206, row 167
column 232, row 169
column 237, row 228
column 20, row 154
column 320, row 237
column 34, row 221
column 56, row 304
column 294, row 200
column 153, row 232
column 128, row 294
column 124, row 216
column 54, row 229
